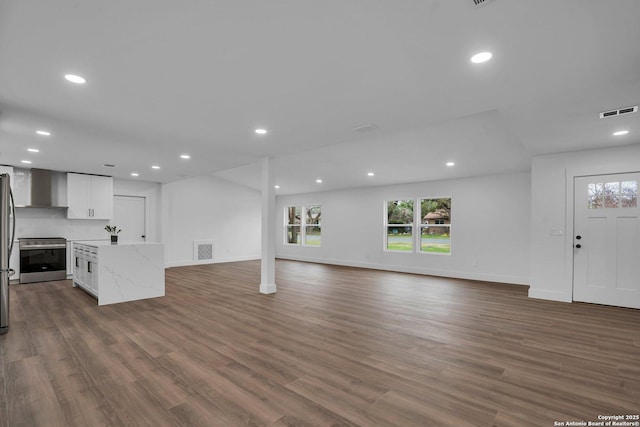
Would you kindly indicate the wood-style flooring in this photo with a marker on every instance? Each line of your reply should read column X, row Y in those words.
column 336, row 346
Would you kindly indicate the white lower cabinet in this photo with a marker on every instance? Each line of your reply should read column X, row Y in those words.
column 85, row 271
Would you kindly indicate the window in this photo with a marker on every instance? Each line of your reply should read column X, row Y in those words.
column 435, row 226
column 399, row 226
column 292, row 219
column 312, row 236
column 432, row 223
column 303, row 229
column 613, row 195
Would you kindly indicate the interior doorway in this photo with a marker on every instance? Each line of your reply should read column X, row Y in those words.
column 606, row 241
column 129, row 214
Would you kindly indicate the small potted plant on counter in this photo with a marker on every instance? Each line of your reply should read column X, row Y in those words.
column 114, row 232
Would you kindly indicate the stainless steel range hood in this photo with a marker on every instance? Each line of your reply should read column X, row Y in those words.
column 40, row 186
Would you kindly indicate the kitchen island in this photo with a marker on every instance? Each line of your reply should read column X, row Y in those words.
column 114, row 273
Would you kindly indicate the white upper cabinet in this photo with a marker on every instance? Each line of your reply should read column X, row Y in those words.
column 89, row 196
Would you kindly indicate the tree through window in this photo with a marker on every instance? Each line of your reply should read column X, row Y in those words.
column 303, row 226
column 399, row 227
column 431, row 222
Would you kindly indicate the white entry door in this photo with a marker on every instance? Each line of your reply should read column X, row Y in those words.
column 606, row 253
column 129, row 215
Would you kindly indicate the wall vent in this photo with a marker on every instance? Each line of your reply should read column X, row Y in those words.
column 618, row 112
column 203, row 250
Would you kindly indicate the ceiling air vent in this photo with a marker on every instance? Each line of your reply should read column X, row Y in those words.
column 365, row 128
column 619, row 112
column 481, row 2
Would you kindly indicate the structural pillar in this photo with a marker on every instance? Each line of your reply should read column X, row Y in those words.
column 268, row 259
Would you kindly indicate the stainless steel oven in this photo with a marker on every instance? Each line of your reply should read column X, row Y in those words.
column 43, row 259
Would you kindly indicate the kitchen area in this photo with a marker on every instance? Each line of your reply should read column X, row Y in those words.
column 60, row 220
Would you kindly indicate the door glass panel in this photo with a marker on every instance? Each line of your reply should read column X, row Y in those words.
column 611, row 194
column 629, row 194
column 595, row 196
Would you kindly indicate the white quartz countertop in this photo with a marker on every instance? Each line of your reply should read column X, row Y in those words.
column 97, row 243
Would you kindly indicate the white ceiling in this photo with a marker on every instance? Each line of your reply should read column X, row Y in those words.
column 199, row 76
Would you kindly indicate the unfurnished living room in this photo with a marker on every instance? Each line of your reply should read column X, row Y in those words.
column 330, row 213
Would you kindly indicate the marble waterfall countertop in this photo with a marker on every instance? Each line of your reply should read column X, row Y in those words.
column 126, row 271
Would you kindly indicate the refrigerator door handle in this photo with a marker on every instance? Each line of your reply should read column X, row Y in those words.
column 13, row 231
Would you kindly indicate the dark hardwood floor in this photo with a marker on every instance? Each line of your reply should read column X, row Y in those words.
column 336, row 346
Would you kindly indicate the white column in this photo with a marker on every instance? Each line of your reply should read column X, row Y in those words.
column 268, row 260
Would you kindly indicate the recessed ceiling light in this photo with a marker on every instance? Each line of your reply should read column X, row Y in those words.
column 450, row 164
column 319, row 181
column 261, row 131
column 33, row 150
column 185, row 156
column 43, row 132
column 74, row 78
column 26, row 161
column 481, row 57
column 620, row 132
column 155, row 167
column 276, row 186
column 135, row 174
column 370, row 174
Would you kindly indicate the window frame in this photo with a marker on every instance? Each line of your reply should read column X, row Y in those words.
column 416, row 227
column 419, row 221
column 302, row 225
column 385, row 241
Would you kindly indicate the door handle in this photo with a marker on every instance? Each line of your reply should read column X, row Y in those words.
column 578, row 237
column 578, row 246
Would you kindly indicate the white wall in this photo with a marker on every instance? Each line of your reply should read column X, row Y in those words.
column 552, row 195
column 36, row 222
column 46, row 222
column 152, row 192
column 490, row 228
column 208, row 208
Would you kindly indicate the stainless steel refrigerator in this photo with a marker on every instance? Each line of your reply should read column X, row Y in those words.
column 7, row 233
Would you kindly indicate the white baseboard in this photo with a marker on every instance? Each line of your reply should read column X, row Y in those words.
column 513, row 280
column 550, row 295
column 218, row 260
column 267, row 288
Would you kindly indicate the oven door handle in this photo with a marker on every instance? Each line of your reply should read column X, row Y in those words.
column 33, row 247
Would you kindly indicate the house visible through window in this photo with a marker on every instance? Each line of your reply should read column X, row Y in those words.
column 303, row 225
column 432, row 225
column 435, row 225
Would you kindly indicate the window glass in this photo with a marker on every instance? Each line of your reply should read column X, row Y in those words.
column 629, row 194
column 595, row 195
column 302, row 225
column 612, row 195
column 435, row 225
column 312, row 235
column 399, row 227
column 293, row 219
